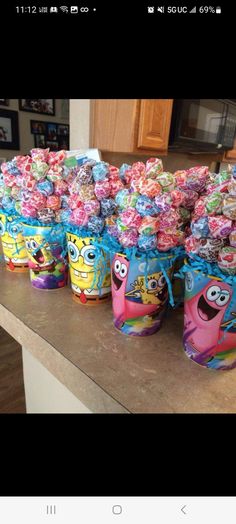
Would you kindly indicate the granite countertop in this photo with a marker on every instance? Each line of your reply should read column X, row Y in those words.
column 108, row 371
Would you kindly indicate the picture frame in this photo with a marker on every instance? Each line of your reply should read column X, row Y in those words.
column 4, row 101
column 53, row 146
column 63, row 129
column 37, row 127
column 9, row 130
column 41, row 106
column 63, row 142
column 40, row 141
column 52, row 131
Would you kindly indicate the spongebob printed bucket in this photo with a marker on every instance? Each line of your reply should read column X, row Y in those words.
column 209, row 312
column 13, row 246
column 139, row 293
column 89, row 270
column 46, row 248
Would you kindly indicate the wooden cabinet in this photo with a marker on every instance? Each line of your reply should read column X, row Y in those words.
column 230, row 156
column 131, row 126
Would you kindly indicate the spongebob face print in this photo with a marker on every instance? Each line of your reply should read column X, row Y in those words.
column 89, row 268
column 46, row 247
column 155, row 291
column 13, row 243
column 39, row 253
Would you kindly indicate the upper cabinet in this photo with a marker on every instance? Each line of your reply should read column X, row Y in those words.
column 231, row 154
column 131, row 126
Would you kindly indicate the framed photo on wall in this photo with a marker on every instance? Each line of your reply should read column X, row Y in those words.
column 63, row 142
column 39, row 141
column 63, row 129
column 53, row 146
column 42, row 106
column 9, row 130
column 52, row 131
column 38, row 127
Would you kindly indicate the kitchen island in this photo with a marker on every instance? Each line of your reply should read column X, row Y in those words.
column 75, row 361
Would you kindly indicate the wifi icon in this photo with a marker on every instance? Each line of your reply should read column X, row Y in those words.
column 64, row 9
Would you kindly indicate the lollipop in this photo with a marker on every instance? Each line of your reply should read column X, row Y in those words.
column 154, row 167
column 53, row 202
column 149, row 226
column 167, row 181
column 165, row 241
column 209, row 248
column 102, row 189
column 92, row 207
column 149, row 187
column 220, row 226
column 95, row 224
column 229, row 207
column 147, row 243
column 85, row 175
column 79, row 217
column 200, row 228
column 146, row 206
column 46, row 215
column 123, row 170
column 86, row 193
column 129, row 238
column 130, row 218
column 227, row 260
column 45, row 187
column 100, row 171
column 108, row 206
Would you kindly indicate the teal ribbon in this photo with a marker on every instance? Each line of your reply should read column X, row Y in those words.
column 196, row 263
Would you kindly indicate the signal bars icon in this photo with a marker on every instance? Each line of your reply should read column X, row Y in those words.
column 194, row 10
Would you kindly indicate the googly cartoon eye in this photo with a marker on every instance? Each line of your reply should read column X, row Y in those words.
column 161, row 281
column 89, row 253
column 117, row 266
column 152, row 284
column 223, row 298
column 123, row 270
column 34, row 244
column 14, row 230
column 189, row 282
column 213, row 293
column 2, row 229
column 73, row 252
column 28, row 244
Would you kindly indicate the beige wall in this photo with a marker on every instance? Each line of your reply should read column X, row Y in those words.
column 26, row 138
column 79, row 123
column 80, row 138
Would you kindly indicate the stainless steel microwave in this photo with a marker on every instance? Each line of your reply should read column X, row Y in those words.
column 207, row 125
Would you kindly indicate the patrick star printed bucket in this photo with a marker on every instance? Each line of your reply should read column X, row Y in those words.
column 209, row 327
column 139, row 293
column 13, row 246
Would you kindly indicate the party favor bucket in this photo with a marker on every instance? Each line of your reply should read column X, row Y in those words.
column 13, row 246
column 46, row 248
column 89, row 269
column 177, row 283
column 209, row 320
column 139, row 293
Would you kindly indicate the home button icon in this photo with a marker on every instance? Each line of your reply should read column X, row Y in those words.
column 117, row 510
